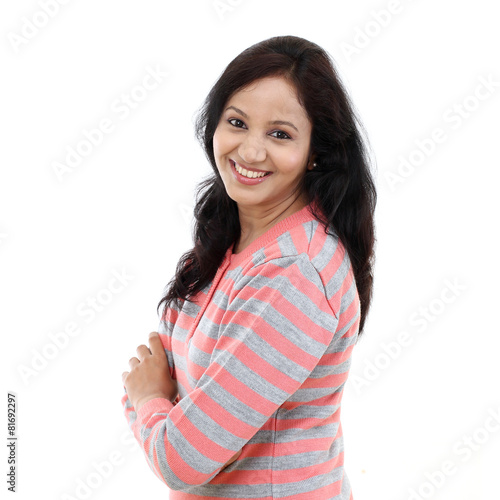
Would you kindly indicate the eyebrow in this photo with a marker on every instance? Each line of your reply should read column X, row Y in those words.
column 275, row 122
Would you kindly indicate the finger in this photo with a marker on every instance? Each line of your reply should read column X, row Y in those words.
column 155, row 343
column 143, row 351
column 133, row 362
column 124, row 376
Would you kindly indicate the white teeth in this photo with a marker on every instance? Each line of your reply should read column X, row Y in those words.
column 249, row 174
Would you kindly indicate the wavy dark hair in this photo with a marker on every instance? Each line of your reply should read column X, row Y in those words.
column 341, row 184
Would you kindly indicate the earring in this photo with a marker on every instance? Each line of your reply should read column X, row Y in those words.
column 315, row 164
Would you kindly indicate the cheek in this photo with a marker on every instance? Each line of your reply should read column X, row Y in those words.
column 292, row 161
column 217, row 141
column 223, row 143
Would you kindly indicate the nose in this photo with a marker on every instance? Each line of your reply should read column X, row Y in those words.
column 252, row 149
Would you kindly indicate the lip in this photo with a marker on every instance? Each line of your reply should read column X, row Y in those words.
column 250, row 168
column 245, row 180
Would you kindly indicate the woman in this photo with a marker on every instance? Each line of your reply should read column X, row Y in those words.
column 259, row 322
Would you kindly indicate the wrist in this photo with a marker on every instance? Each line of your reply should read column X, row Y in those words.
column 141, row 402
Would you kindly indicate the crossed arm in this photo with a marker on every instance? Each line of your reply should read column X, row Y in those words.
column 149, row 377
column 272, row 335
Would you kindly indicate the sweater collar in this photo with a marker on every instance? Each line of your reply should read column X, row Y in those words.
column 299, row 217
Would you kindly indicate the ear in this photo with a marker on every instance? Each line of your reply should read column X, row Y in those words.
column 310, row 164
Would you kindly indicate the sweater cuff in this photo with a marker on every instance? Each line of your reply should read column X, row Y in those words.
column 148, row 409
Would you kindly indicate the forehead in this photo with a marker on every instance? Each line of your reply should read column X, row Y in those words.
column 271, row 98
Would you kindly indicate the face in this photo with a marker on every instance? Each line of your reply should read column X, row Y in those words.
column 263, row 130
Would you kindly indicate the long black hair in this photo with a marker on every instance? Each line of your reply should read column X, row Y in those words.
column 341, row 184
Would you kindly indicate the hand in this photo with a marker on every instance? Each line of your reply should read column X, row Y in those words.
column 149, row 376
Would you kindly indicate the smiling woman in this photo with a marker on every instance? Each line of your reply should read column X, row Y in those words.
column 254, row 152
column 239, row 396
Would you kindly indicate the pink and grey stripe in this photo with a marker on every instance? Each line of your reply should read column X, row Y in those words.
column 261, row 357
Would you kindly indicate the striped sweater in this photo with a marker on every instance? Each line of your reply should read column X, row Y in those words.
column 261, row 356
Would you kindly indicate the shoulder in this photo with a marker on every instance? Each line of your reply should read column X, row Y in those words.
column 310, row 238
column 310, row 246
column 307, row 258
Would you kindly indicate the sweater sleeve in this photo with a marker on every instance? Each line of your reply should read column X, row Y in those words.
column 274, row 332
column 167, row 322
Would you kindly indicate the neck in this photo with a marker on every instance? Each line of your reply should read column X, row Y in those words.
column 255, row 221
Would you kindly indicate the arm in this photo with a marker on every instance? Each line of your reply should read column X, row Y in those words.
column 165, row 327
column 272, row 336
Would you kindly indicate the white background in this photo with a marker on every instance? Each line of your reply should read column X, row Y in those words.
column 127, row 207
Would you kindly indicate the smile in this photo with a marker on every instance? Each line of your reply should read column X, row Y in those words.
column 246, row 176
column 251, row 174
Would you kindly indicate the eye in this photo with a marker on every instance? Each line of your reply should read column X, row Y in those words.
column 235, row 119
column 281, row 132
column 238, row 121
